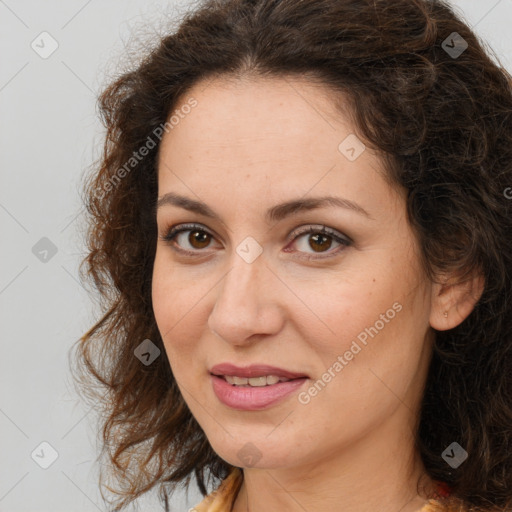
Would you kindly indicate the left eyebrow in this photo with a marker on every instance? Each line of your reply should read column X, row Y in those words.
column 274, row 214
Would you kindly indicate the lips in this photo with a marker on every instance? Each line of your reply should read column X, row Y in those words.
column 256, row 370
column 258, row 395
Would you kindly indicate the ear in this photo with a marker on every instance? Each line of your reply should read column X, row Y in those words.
column 453, row 300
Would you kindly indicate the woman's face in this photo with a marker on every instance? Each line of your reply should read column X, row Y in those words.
column 348, row 310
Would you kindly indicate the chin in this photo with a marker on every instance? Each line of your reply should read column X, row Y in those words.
column 256, row 451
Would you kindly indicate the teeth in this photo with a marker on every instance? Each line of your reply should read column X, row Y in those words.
column 265, row 380
column 240, row 381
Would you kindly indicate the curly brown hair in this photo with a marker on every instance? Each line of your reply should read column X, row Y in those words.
column 439, row 113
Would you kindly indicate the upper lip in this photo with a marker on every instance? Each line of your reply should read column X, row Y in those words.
column 255, row 370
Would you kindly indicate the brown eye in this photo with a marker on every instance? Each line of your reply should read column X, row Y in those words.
column 188, row 238
column 320, row 242
column 198, row 239
column 192, row 239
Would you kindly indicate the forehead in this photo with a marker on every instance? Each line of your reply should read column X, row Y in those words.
column 276, row 111
column 279, row 137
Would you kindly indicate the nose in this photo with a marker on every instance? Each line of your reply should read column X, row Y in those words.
column 247, row 303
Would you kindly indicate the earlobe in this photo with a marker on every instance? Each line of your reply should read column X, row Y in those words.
column 453, row 301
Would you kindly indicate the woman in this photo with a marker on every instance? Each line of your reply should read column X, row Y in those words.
column 301, row 231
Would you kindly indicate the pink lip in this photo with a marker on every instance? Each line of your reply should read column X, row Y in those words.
column 255, row 370
column 253, row 398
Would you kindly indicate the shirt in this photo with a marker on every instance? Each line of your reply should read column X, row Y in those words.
column 223, row 498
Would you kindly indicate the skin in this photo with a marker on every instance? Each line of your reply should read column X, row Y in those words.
column 248, row 145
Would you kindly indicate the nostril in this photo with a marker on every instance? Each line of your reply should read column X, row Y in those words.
column 215, row 333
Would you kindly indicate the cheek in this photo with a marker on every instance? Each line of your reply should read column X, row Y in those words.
column 380, row 354
column 344, row 308
column 170, row 297
column 172, row 291
column 371, row 322
column 180, row 302
column 162, row 296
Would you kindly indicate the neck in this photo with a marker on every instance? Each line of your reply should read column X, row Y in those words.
column 380, row 471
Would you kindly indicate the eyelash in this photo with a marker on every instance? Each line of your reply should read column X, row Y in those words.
column 173, row 232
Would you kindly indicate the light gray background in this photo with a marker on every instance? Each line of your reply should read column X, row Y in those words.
column 49, row 134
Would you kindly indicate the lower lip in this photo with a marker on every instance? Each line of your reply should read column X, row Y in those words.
column 253, row 398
